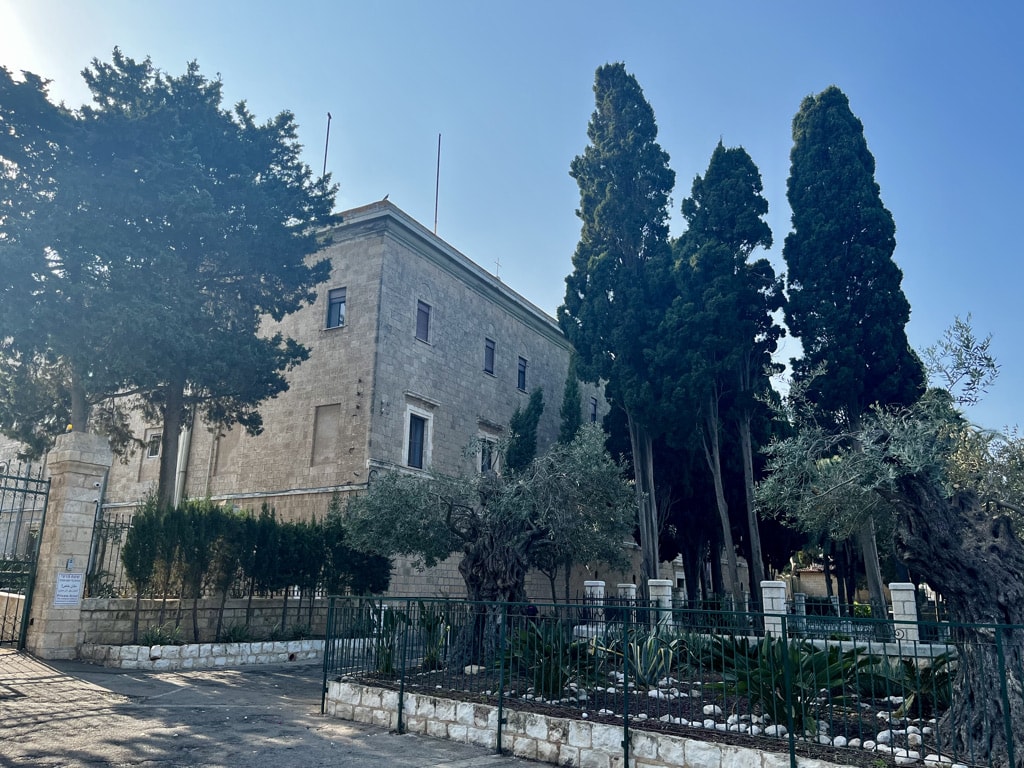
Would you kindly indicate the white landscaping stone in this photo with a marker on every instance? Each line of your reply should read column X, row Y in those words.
column 934, row 761
column 712, row 709
column 869, row 745
column 776, row 730
column 839, row 741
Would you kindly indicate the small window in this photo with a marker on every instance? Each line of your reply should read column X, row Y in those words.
column 521, row 379
column 336, row 308
column 153, row 446
column 422, row 321
column 489, row 356
column 593, row 410
column 417, row 440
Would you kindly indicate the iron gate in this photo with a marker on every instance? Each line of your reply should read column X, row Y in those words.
column 23, row 495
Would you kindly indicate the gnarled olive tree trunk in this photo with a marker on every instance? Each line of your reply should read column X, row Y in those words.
column 969, row 553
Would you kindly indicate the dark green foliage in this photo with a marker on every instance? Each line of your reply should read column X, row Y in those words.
column 761, row 670
column 139, row 553
column 432, row 625
column 522, row 427
column 545, row 652
column 348, row 570
column 571, row 411
column 725, row 312
column 845, row 300
column 619, row 288
column 152, row 231
column 926, row 687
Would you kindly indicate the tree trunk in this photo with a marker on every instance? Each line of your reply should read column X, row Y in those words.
column 174, row 414
column 712, row 453
column 868, row 543
column 643, row 473
column 972, row 557
column 756, row 556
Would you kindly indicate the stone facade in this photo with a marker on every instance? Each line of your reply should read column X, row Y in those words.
column 350, row 407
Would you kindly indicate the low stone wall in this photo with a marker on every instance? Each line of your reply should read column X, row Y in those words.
column 534, row 736
column 108, row 621
column 200, row 655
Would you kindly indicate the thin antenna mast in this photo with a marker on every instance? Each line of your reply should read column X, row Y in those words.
column 327, row 143
column 437, row 180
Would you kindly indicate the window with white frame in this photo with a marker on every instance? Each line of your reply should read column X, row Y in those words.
column 336, row 307
column 153, row 441
column 593, row 410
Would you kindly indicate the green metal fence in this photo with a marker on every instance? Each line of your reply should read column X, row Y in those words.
column 872, row 685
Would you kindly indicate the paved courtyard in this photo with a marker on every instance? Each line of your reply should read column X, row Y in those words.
column 74, row 714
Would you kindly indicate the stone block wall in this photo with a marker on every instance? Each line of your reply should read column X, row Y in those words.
column 535, row 736
column 201, row 655
column 108, row 621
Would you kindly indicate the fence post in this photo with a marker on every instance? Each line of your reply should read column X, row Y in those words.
column 593, row 596
column 773, row 598
column 904, row 609
column 78, row 464
column 660, row 591
column 1004, row 693
column 405, row 653
column 328, row 652
column 501, row 674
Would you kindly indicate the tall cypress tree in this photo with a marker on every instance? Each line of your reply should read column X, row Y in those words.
column 845, row 299
column 725, row 312
column 616, row 294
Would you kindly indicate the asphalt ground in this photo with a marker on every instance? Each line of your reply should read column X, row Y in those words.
column 75, row 714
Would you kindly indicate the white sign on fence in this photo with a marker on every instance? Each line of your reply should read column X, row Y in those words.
column 69, row 589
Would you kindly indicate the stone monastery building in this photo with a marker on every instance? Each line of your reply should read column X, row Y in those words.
column 416, row 353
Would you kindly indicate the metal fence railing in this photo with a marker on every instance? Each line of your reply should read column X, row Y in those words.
column 694, row 672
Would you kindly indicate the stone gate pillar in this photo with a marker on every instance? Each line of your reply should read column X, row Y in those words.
column 904, row 610
column 773, row 600
column 77, row 465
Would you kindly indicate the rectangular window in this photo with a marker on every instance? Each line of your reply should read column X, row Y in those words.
column 153, row 446
column 336, row 308
column 488, row 456
column 489, row 356
column 422, row 321
column 417, row 441
column 521, row 379
column 593, row 410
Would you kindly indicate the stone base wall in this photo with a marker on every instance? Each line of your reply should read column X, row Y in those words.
column 200, row 655
column 108, row 621
column 555, row 740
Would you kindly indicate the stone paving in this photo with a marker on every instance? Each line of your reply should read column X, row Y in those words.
column 75, row 714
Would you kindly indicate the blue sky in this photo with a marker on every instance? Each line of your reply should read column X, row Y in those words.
column 939, row 87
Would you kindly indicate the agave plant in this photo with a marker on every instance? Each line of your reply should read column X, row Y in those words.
column 547, row 654
column 816, row 676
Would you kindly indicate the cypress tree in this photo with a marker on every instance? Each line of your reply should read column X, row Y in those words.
column 845, row 299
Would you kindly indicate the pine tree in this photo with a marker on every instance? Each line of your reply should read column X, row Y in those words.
column 570, row 414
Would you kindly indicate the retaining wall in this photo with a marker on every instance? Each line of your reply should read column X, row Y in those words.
column 534, row 736
column 201, row 655
column 108, row 621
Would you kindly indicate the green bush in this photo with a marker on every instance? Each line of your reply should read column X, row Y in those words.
column 235, row 633
column 165, row 634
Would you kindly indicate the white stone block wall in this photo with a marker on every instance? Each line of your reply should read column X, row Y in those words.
column 202, row 655
column 534, row 736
